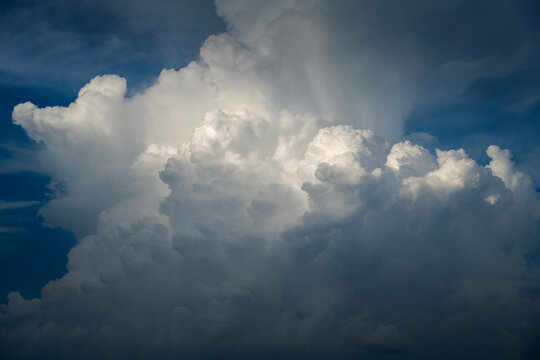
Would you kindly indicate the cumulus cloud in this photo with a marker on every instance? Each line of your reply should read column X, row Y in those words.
column 244, row 206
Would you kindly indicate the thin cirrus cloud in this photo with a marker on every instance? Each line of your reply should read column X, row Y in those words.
column 6, row 205
column 261, row 202
column 75, row 40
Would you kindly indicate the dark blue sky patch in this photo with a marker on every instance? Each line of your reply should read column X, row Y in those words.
column 31, row 256
column 65, row 43
column 23, row 186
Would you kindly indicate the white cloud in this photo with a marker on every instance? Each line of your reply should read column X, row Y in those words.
column 502, row 167
column 240, row 205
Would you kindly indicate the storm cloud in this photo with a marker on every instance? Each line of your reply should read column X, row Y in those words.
column 263, row 202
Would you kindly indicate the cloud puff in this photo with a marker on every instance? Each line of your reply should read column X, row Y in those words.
column 237, row 208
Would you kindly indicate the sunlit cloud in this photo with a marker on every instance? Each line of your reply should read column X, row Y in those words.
column 264, row 201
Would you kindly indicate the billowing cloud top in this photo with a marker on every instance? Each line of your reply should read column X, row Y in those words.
column 259, row 203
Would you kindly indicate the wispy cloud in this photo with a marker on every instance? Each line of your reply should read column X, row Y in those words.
column 9, row 229
column 5, row 205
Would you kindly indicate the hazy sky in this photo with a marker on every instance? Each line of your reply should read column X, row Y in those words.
column 269, row 179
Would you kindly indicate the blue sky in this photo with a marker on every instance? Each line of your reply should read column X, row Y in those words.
column 307, row 179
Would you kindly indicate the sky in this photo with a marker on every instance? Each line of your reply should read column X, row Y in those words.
column 269, row 179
